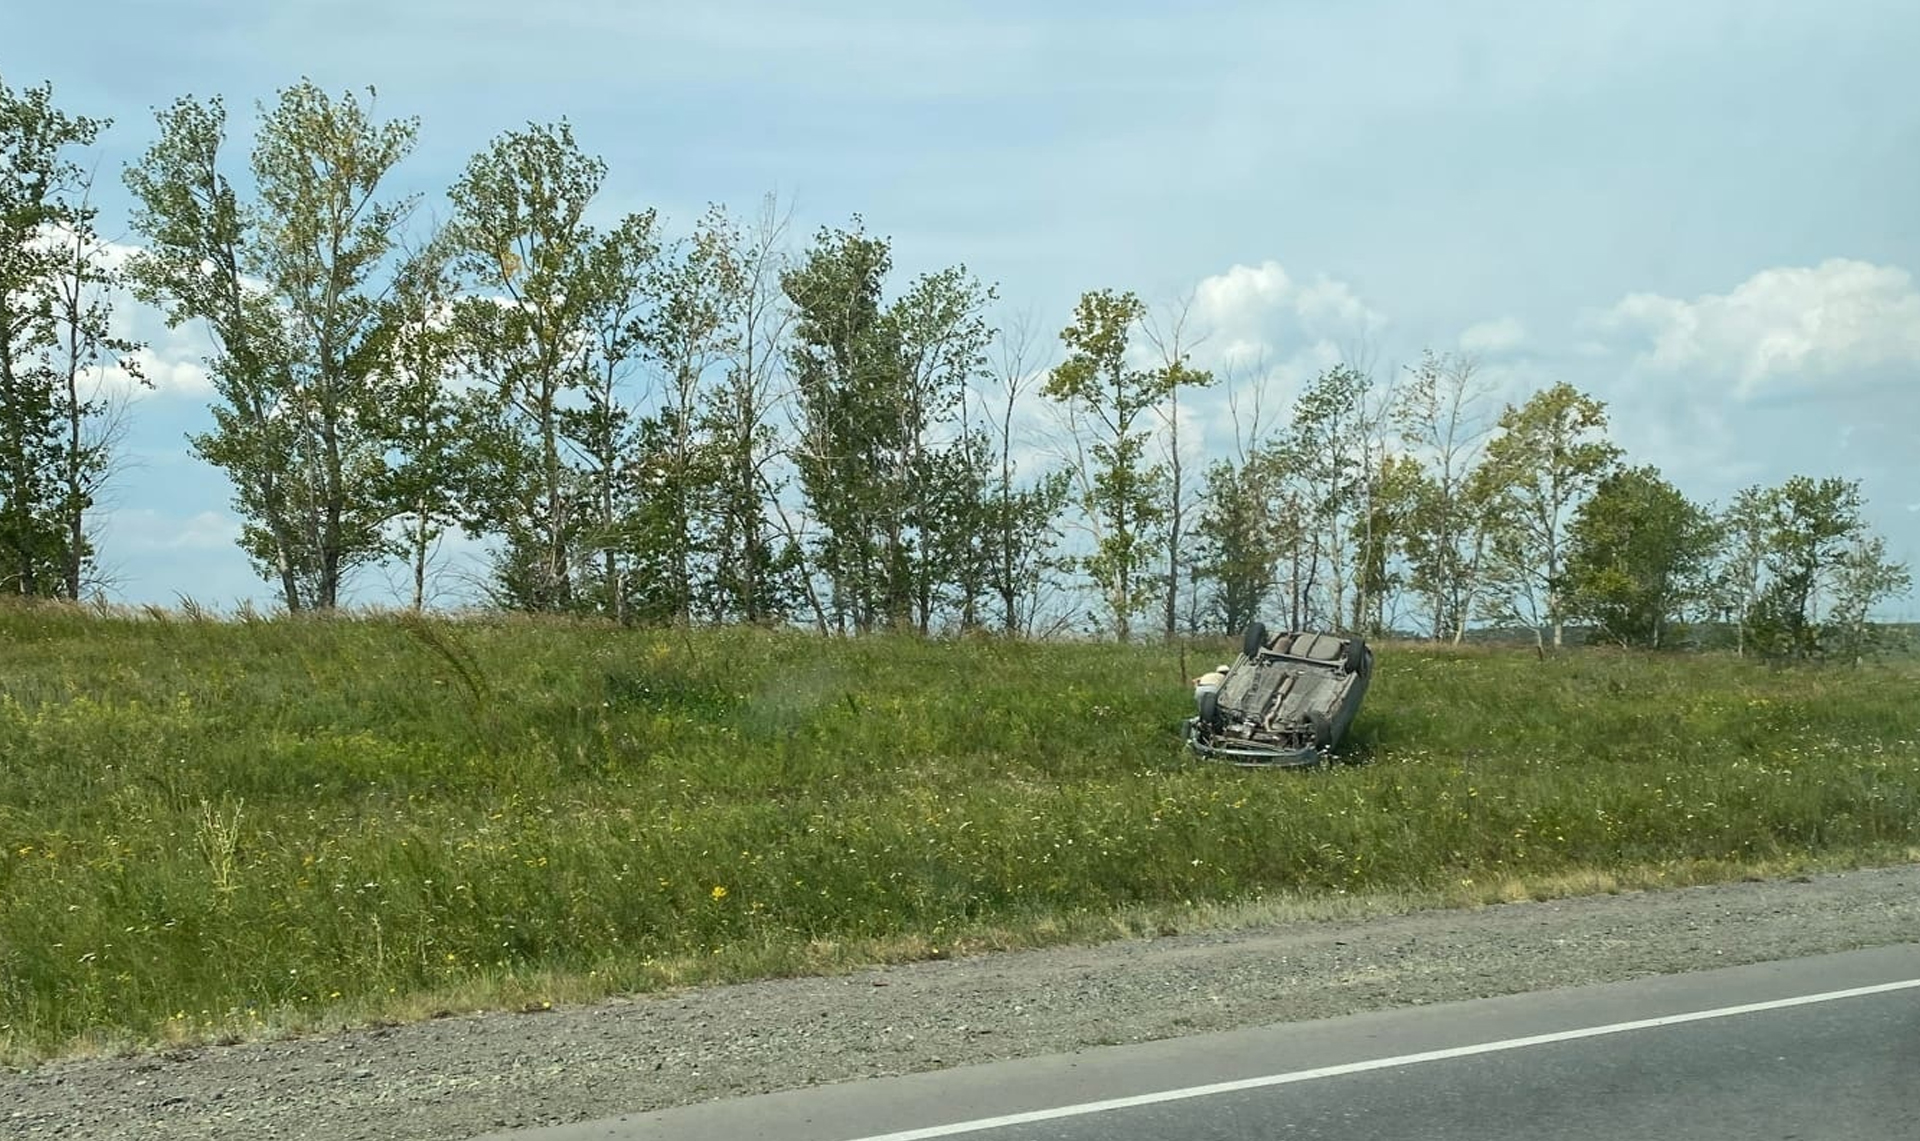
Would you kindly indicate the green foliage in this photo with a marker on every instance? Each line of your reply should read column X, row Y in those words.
column 754, row 576
column 1744, row 530
column 846, row 369
column 943, row 337
column 696, row 289
column 1309, row 521
column 1320, row 455
column 1394, row 495
column 1549, row 456
column 1019, row 517
column 1171, row 337
column 53, row 326
column 1120, row 493
column 1809, row 529
column 206, row 827
column 552, row 320
column 896, row 482
column 1240, row 540
column 288, row 285
column 600, row 404
column 1640, row 556
column 1864, row 577
column 1795, row 544
column 435, row 433
column 1437, row 413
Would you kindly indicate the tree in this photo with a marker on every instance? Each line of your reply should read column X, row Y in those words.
column 1550, row 455
column 1744, row 529
column 754, row 577
column 1639, row 556
column 1384, row 501
column 955, row 505
column 196, row 234
column 939, row 324
column 432, row 429
column 696, row 288
column 58, row 430
column 1815, row 528
column 93, row 417
column 1392, row 497
column 1018, row 531
column 1802, row 571
column 1437, row 412
column 1122, row 496
column 549, row 323
column 1863, row 578
column 1321, row 455
column 1241, row 530
column 1238, row 541
column 1173, row 342
column 623, row 561
column 288, row 285
column 893, row 471
column 845, row 360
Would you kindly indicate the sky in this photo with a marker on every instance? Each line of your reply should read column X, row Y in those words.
column 1706, row 214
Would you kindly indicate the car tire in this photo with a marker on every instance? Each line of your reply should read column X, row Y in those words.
column 1209, row 710
column 1322, row 728
column 1356, row 657
column 1254, row 640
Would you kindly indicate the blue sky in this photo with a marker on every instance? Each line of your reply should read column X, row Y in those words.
column 1707, row 214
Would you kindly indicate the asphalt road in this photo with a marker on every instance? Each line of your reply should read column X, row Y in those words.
column 1818, row 1049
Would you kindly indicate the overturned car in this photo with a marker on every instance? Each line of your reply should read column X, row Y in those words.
column 1286, row 700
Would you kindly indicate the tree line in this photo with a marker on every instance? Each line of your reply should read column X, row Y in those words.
column 709, row 427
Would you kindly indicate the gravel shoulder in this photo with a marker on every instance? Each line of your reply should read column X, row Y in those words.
column 464, row 1076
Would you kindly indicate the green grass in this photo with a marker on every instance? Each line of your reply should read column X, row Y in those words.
column 217, row 829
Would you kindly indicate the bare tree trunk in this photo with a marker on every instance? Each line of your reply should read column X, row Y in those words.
column 330, row 522
column 76, row 498
column 421, row 524
column 806, row 577
column 758, row 351
column 75, row 476
column 558, row 584
column 1005, row 539
column 1169, row 336
column 1173, row 511
column 19, row 475
column 1293, row 590
column 282, row 542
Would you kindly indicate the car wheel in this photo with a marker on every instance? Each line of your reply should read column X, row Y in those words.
column 1209, row 709
column 1322, row 728
column 1356, row 656
column 1254, row 640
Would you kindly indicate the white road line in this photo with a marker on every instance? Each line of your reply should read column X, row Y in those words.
column 1084, row 1108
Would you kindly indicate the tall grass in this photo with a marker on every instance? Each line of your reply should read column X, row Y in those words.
column 211, row 828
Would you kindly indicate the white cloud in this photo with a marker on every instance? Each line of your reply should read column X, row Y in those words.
column 1331, row 308
column 1242, row 302
column 1254, row 313
column 169, row 359
column 115, row 255
column 169, row 375
column 1499, row 335
column 1197, row 445
column 145, row 531
column 1788, row 325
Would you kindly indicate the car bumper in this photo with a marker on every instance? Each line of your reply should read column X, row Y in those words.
column 1251, row 754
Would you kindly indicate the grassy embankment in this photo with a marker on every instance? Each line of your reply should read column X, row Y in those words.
column 221, row 829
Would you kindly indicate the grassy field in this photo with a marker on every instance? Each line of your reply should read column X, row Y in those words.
column 217, row 829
